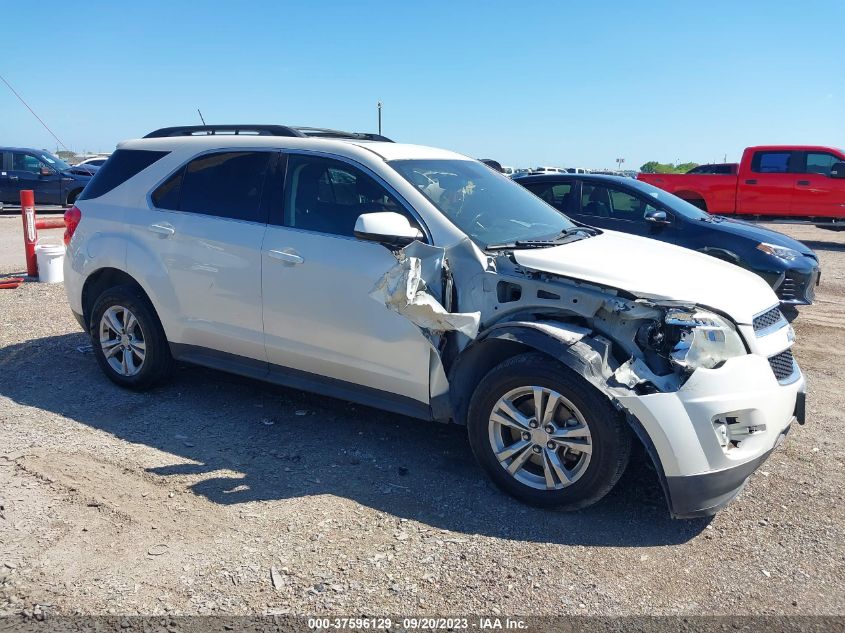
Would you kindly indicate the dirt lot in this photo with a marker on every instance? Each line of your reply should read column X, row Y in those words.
column 215, row 494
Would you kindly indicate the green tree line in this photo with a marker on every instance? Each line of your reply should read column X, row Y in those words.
column 653, row 167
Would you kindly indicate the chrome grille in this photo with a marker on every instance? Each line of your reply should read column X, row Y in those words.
column 782, row 364
column 767, row 319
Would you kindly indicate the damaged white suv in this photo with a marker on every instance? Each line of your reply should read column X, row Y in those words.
column 421, row 281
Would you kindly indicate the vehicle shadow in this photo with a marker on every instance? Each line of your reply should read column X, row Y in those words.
column 248, row 441
column 824, row 245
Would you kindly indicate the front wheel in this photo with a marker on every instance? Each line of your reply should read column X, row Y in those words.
column 545, row 435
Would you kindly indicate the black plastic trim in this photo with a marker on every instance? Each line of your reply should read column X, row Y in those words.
column 297, row 379
column 234, row 129
column 81, row 320
column 694, row 496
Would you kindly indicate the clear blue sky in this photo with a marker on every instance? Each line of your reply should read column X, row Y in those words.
column 528, row 83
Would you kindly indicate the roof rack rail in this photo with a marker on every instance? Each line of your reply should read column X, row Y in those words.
column 236, row 129
column 320, row 132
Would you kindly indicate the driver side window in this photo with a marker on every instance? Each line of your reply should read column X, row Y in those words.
column 606, row 202
column 327, row 196
column 26, row 162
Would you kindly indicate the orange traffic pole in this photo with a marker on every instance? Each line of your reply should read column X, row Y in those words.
column 30, row 232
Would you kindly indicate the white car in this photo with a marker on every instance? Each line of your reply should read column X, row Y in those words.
column 420, row 281
column 96, row 161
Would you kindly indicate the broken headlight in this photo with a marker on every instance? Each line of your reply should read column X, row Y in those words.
column 700, row 339
column 689, row 339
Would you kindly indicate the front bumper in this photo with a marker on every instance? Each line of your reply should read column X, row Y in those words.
column 711, row 434
column 797, row 286
column 704, row 495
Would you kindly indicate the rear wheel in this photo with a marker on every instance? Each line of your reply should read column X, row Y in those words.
column 545, row 435
column 128, row 340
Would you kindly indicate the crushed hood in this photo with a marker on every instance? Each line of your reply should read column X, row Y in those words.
column 655, row 270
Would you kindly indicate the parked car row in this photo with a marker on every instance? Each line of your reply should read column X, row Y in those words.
column 51, row 178
column 423, row 282
column 635, row 207
column 782, row 183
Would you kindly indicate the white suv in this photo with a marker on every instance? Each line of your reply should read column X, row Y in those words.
column 422, row 282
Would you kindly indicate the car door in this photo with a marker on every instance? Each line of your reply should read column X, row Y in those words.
column 769, row 187
column 816, row 193
column 6, row 195
column 205, row 225
column 25, row 173
column 608, row 206
column 316, row 281
column 558, row 193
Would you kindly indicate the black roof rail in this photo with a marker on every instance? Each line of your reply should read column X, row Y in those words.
column 236, row 129
column 320, row 132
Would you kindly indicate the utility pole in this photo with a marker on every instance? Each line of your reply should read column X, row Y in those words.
column 379, row 117
column 619, row 162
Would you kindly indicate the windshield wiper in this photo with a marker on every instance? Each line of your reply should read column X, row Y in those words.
column 576, row 232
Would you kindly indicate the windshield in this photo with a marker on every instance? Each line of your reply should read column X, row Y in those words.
column 672, row 202
column 54, row 161
column 489, row 207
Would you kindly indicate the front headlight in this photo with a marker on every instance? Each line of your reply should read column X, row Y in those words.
column 700, row 339
column 781, row 252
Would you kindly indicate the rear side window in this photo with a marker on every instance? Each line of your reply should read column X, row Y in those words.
column 771, row 162
column 120, row 167
column 168, row 194
column 556, row 195
column 224, row 184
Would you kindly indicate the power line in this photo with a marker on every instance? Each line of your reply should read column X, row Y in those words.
column 15, row 92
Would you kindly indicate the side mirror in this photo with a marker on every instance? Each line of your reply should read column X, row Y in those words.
column 657, row 217
column 386, row 227
column 837, row 170
column 46, row 171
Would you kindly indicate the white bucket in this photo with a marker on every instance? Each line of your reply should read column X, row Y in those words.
column 51, row 259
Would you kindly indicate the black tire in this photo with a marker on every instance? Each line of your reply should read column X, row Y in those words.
column 157, row 363
column 610, row 436
column 71, row 197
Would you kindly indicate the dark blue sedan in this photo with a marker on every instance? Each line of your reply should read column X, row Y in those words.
column 631, row 206
column 51, row 178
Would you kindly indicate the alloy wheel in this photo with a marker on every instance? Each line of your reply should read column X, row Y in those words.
column 122, row 340
column 540, row 438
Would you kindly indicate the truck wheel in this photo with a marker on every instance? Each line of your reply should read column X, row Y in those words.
column 71, row 197
column 545, row 435
column 128, row 340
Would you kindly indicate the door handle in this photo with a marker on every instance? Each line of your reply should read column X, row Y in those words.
column 751, row 182
column 165, row 230
column 803, row 182
column 283, row 256
column 14, row 178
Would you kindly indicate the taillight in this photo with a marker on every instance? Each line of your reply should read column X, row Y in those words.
column 72, row 219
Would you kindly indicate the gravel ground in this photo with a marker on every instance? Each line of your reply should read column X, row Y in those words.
column 215, row 494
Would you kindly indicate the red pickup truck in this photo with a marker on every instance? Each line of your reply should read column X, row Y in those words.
column 780, row 183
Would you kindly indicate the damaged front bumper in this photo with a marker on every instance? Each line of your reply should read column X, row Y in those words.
column 710, row 435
